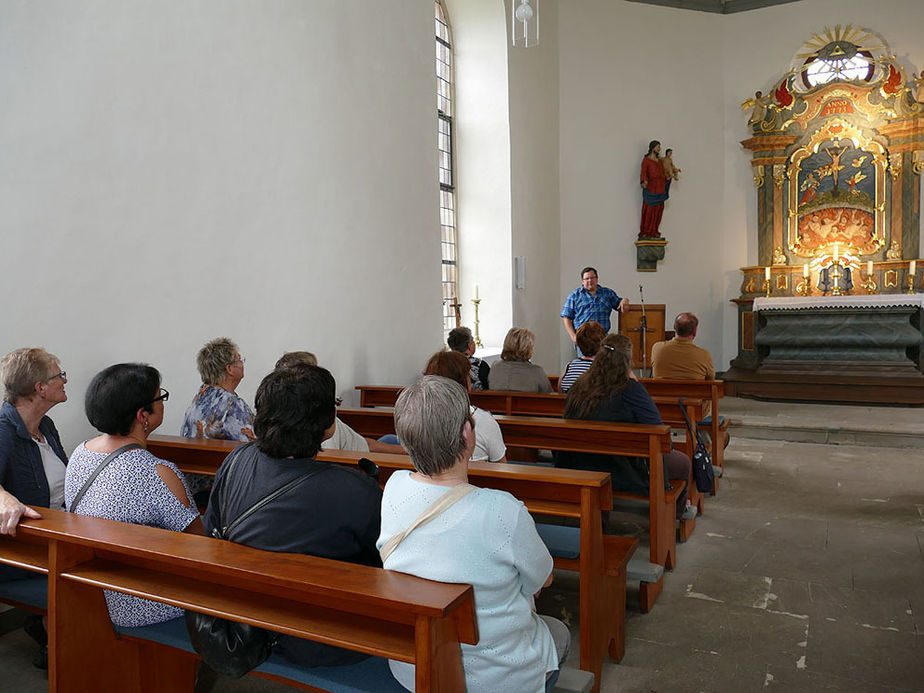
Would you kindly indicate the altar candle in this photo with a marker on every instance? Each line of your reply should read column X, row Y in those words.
column 869, row 266
column 805, row 270
column 912, row 267
column 835, row 252
column 476, row 291
column 766, row 274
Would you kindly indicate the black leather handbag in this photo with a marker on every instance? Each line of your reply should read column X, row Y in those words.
column 232, row 648
column 703, row 473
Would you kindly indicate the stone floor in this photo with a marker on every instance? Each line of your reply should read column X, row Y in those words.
column 806, row 573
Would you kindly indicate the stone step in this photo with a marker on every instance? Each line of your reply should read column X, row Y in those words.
column 835, row 424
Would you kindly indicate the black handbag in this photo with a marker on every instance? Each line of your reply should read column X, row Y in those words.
column 232, row 648
column 703, row 473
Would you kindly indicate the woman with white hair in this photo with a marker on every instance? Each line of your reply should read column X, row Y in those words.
column 437, row 526
column 216, row 410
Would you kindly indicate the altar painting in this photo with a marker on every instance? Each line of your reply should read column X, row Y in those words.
column 834, row 192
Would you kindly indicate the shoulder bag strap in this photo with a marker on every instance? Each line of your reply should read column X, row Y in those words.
column 102, row 465
column 285, row 488
column 438, row 506
column 694, row 433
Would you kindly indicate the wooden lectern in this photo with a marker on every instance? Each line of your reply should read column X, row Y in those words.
column 630, row 324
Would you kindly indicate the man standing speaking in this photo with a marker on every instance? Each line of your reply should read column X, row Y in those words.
column 590, row 302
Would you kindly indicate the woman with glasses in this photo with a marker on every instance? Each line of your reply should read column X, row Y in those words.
column 32, row 459
column 216, row 411
column 113, row 476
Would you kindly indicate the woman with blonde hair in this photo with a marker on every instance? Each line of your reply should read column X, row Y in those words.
column 609, row 392
column 514, row 371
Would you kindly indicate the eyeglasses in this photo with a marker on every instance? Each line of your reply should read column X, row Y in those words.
column 240, row 360
column 62, row 375
column 162, row 397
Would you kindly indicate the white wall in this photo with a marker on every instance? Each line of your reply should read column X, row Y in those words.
column 534, row 183
column 483, row 166
column 631, row 73
column 172, row 172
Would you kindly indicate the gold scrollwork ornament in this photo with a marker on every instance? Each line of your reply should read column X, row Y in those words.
column 895, row 166
column 758, row 176
column 779, row 174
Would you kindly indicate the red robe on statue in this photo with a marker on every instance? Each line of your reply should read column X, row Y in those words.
column 655, row 190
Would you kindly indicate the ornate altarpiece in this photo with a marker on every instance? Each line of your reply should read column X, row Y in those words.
column 838, row 153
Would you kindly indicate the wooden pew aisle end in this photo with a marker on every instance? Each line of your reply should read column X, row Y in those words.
column 382, row 613
column 591, row 437
column 601, row 561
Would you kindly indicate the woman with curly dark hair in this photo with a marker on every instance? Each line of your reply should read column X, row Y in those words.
column 608, row 391
column 326, row 510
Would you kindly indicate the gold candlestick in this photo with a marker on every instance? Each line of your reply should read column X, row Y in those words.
column 869, row 284
column 478, row 343
column 910, row 282
column 836, row 291
column 766, row 288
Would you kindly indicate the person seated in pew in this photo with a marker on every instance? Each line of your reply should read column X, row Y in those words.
column 114, row 477
column 332, row 512
column 489, row 442
column 344, row 438
column 607, row 392
column 514, row 371
column 217, row 411
column 588, row 338
column 32, row 459
column 483, row 537
column 460, row 339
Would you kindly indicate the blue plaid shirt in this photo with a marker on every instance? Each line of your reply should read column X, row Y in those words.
column 581, row 306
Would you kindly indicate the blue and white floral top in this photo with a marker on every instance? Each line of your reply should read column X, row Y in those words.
column 217, row 413
column 129, row 489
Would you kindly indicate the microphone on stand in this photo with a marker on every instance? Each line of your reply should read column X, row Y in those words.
column 643, row 336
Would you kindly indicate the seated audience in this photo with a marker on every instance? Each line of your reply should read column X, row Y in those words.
column 485, row 538
column 588, row 338
column 489, row 443
column 344, row 438
column 332, row 511
column 680, row 358
column 514, row 371
column 460, row 339
column 607, row 392
column 125, row 403
column 216, row 411
column 32, row 459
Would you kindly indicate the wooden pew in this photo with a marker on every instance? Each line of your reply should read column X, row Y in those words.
column 601, row 561
column 596, row 437
column 379, row 612
column 513, row 403
column 707, row 390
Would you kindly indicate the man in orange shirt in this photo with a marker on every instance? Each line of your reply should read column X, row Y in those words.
column 680, row 358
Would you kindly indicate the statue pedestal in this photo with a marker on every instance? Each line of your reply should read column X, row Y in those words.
column 647, row 253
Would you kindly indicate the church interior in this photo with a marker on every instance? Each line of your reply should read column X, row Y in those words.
column 273, row 172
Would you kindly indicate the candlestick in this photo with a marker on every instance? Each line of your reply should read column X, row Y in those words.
column 836, row 291
column 805, row 286
column 476, row 301
column 767, row 286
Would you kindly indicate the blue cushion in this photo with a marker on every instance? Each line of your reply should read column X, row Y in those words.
column 562, row 542
column 32, row 591
column 370, row 675
column 708, row 421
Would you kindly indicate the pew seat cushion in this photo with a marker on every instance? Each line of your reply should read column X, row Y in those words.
column 368, row 676
column 29, row 592
column 707, row 421
column 562, row 542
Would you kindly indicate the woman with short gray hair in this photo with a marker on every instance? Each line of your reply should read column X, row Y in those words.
column 436, row 526
column 216, row 411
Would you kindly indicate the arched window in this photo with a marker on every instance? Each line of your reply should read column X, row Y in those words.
column 446, row 170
